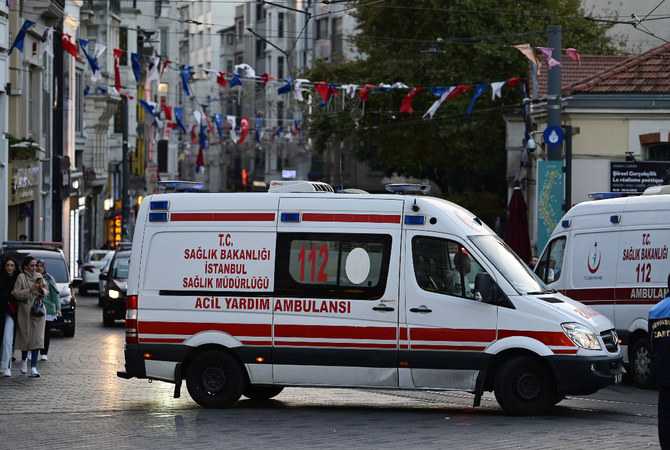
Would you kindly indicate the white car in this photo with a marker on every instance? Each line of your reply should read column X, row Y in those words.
column 90, row 269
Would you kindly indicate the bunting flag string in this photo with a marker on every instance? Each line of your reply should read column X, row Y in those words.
column 155, row 67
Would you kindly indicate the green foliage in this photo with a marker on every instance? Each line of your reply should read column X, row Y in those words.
column 465, row 156
column 20, row 153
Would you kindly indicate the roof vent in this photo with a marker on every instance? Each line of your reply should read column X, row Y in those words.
column 299, row 186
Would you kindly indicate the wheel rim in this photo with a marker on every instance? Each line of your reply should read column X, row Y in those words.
column 642, row 363
column 527, row 386
column 214, row 379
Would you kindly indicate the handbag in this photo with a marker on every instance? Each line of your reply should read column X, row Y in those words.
column 38, row 308
column 12, row 307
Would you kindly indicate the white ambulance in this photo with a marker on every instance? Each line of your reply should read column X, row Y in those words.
column 612, row 255
column 246, row 293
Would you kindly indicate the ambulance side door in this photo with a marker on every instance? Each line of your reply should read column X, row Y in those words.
column 447, row 329
column 335, row 314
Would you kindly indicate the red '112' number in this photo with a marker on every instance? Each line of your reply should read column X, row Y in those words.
column 323, row 253
column 643, row 273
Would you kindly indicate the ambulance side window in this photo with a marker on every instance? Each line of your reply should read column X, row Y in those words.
column 549, row 268
column 444, row 266
column 332, row 265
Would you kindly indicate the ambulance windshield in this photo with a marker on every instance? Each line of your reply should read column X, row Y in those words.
column 518, row 274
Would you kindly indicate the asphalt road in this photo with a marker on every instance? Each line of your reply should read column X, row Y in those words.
column 79, row 402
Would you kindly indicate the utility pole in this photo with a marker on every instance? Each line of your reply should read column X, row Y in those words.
column 125, row 174
column 554, row 88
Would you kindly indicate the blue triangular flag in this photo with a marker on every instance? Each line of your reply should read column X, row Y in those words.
column 185, row 76
column 177, row 115
column 218, row 118
column 147, row 106
column 285, row 89
column 259, row 124
column 135, row 62
column 236, row 81
column 92, row 62
column 21, row 36
column 478, row 91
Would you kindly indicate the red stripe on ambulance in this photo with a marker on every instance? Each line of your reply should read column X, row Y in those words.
column 451, row 335
column 189, row 328
column 548, row 338
column 335, row 332
column 222, row 217
column 350, row 218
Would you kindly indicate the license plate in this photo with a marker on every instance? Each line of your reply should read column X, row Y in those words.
column 618, row 378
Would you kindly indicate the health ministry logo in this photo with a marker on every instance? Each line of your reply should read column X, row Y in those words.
column 593, row 260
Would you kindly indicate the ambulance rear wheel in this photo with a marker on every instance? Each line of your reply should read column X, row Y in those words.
column 525, row 387
column 640, row 363
column 262, row 392
column 215, row 380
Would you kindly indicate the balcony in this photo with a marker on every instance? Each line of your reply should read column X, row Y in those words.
column 52, row 9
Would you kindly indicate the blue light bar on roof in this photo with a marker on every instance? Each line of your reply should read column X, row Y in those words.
column 159, row 205
column 180, row 186
column 415, row 220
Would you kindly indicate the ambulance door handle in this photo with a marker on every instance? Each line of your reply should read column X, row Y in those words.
column 423, row 309
column 383, row 308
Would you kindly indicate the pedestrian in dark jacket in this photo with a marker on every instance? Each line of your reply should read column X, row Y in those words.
column 659, row 332
column 8, row 310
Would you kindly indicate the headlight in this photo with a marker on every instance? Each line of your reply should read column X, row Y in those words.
column 113, row 293
column 65, row 300
column 581, row 336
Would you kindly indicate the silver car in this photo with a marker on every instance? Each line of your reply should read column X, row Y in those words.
column 90, row 269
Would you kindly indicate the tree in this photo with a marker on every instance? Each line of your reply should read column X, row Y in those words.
column 463, row 155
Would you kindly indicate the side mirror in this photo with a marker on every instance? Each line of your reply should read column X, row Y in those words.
column 102, row 276
column 488, row 291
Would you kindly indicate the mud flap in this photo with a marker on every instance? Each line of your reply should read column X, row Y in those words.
column 177, row 381
column 479, row 388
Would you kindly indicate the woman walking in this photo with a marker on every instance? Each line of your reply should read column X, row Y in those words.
column 8, row 310
column 52, row 304
column 28, row 289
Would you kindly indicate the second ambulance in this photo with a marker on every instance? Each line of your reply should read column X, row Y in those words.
column 247, row 293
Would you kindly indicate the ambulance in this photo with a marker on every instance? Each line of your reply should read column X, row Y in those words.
column 612, row 255
column 248, row 293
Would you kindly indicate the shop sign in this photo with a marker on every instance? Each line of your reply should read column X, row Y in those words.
column 24, row 181
column 636, row 176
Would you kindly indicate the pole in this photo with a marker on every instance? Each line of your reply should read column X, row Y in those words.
column 568, row 168
column 554, row 88
column 125, row 173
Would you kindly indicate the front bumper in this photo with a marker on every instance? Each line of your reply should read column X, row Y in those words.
column 114, row 309
column 583, row 375
column 66, row 320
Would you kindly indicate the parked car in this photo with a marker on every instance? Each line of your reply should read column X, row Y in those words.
column 56, row 265
column 116, row 283
column 91, row 267
column 102, row 281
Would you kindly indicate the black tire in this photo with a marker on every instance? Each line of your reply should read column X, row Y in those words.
column 69, row 331
column 100, row 300
column 83, row 291
column 262, row 392
column 215, row 380
column 107, row 321
column 524, row 386
column 641, row 370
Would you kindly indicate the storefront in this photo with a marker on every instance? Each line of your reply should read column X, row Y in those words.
column 24, row 183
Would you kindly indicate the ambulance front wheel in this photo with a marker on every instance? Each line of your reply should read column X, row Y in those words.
column 215, row 380
column 524, row 386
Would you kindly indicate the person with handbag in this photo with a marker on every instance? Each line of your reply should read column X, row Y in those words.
column 52, row 304
column 8, row 310
column 29, row 291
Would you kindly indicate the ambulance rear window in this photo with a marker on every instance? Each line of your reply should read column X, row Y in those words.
column 332, row 265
